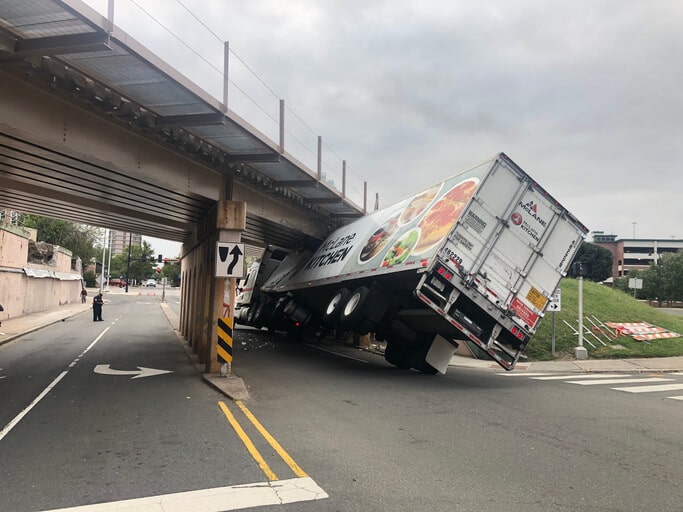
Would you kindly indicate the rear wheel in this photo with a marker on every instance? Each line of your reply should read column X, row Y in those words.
column 420, row 361
column 398, row 355
column 334, row 307
column 352, row 315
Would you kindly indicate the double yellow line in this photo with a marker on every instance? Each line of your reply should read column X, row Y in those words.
column 253, row 451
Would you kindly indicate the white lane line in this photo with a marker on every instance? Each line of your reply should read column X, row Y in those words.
column 651, row 389
column 675, row 397
column 337, row 353
column 30, row 406
column 522, row 374
column 581, row 376
column 220, row 499
column 617, row 381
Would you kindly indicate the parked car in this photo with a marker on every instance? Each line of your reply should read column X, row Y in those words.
column 151, row 282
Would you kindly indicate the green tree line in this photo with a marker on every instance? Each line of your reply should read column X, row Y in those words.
column 662, row 281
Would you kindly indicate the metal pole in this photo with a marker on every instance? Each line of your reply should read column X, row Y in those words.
column 226, row 76
column 552, row 342
column 282, row 127
column 581, row 311
column 320, row 158
column 580, row 352
column 343, row 178
column 130, row 238
column 109, row 260
column 104, row 245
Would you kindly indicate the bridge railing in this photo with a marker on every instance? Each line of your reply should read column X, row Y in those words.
column 199, row 53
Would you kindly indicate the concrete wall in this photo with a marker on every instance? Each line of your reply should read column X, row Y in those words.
column 21, row 294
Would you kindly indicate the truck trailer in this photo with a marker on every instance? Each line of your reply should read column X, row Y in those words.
column 475, row 257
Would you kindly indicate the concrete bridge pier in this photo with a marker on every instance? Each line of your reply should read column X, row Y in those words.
column 202, row 294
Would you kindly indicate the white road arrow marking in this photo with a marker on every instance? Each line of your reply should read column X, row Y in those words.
column 104, row 369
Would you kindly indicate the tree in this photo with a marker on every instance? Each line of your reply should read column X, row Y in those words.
column 672, row 276
column 142, row 263
column 90, row 279
column 78, row 238
column 171, row 271
column 599, row 261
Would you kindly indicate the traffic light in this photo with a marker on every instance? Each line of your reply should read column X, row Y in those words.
column 160, row 258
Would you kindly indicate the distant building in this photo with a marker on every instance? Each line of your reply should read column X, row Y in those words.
column 634, row 254
column 119, row 241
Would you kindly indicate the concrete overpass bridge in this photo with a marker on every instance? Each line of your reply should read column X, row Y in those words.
column 94, row 128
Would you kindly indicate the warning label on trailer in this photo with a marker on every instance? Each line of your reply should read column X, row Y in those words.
column 536, row 298
column 523, row 312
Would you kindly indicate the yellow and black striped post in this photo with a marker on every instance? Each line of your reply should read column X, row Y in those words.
column 224, row 343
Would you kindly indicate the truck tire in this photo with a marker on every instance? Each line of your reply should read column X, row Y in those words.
column 254, row 316
column 289, row 308
column 335, row 306
column 419, row 362
column 398, row 355
column 351, row 315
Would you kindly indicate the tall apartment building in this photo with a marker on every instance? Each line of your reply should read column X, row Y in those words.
column 634, row 254
column 119, row 241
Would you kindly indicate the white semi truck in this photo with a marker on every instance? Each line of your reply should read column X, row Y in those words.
column 476, row 257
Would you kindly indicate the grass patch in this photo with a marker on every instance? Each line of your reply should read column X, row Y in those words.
column 607, row 305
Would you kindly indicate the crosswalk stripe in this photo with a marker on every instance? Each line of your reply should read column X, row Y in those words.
column 580, row 376
column 651, row 389
column 617, row 381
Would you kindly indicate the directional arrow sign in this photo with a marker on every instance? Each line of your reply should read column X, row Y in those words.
column 104, row 369
column 556, row 301
column 229, row 259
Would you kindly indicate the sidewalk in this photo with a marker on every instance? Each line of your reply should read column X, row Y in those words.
column 15, row 327
column 635, row 365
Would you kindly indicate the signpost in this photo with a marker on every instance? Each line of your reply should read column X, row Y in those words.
column 636, row 284
column 230, row 264
column 555, row 305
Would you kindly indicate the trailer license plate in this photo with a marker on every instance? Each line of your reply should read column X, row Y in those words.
column 438, row 284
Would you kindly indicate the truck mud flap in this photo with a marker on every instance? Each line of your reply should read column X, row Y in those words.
column 440, row 354
column 506, row 358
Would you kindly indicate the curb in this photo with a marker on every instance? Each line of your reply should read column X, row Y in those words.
column 39, row 327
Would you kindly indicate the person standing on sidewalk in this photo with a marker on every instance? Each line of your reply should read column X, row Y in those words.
column 84, row 294
column 97, row 308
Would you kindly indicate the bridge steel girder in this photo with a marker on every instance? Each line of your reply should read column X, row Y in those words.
column 79, row 151
column 62, row 159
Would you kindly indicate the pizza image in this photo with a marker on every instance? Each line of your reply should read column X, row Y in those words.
column 438, row 221
column 379, row 239
column 418, row 205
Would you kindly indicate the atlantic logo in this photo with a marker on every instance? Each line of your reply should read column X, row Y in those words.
column 532, row 208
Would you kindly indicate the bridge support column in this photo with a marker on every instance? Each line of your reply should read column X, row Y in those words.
column 204, row 292
column 231, row 220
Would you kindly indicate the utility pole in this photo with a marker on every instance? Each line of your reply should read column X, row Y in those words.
column 104, row 248
column 130, row 241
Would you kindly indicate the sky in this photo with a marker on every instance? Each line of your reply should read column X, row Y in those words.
column 585, row 96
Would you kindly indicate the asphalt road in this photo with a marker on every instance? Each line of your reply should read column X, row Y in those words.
column 372, row 437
